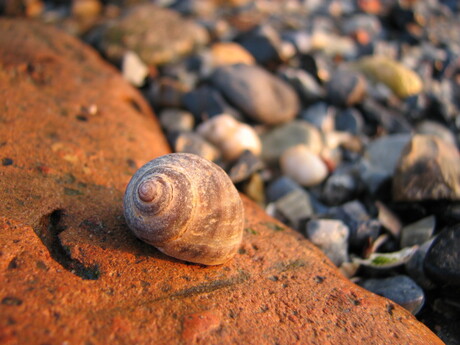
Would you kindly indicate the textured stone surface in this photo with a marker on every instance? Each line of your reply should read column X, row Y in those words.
column 72, row 272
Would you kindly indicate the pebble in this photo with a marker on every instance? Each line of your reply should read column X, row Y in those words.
column 401, row 80
column 341, row 186
column 259, row 94
column 400, row 289
column 245, row 166
column 346, row 88
column 263, row 42
column 157, row 35
column 384, row 153
column 133, row 69
column 281, row 187
column 349, row 120
column 295, row 207
column 415, row 266
column 303, row 166
column 167, row 92
column 319, row 114
column 176, row 120
column 419, row 232
column 280, row 138
column 436, row 129
column 355, row 216
column 304, row 83
column 429, row 169
column 205, row 102
column 230, row 136
column 331, row 237
column 230, row 53
column 190, row 142
column 442, row 262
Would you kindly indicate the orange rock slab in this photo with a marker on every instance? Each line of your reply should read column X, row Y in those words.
column 72, row 133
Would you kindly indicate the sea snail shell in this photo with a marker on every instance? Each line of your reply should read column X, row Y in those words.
column 187, row 207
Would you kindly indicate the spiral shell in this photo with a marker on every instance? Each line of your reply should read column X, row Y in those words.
column 187, row 207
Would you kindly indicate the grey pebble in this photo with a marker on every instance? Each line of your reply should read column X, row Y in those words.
column 400, row 289
column 418, row 232
column 331, row 237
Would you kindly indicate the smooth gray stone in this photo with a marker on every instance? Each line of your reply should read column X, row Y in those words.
column 330, row 236
column 304, row 83
column 400, row 289
column 176, row 120
column 418, row 232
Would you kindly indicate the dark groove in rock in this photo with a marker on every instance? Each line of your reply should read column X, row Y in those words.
column 48, row 231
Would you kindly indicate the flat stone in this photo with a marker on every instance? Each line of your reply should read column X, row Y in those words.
column 71, row 270
column 259, row 94
column 158, row 35
column 442, row 261
column 429, row 169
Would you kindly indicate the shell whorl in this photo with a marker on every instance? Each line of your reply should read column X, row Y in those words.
column 187, row 207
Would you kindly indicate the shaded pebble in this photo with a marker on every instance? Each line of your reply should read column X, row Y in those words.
column 331, row 237
column 415, row 266
column 429, row 169
column 341, row 186
column 442, row 262
column 400, row 289
column 418, row 232
column 303, row 166
column 346, row 88
column 349, row 120
column 280, row 187
column 401, row 80
column 320, row 115
column 263, row 42
column 299, row 38
column 230, row 136
column 246, row 165
column 176, row 120
column 205, row 102
column 133, row 69
column 366, row 23
column 355, row 216
column 190, row 142
column 259, row 94
column 295, row 207
column 279, row 139
column 158, row 35
column 304, row 83
column 167, row 92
